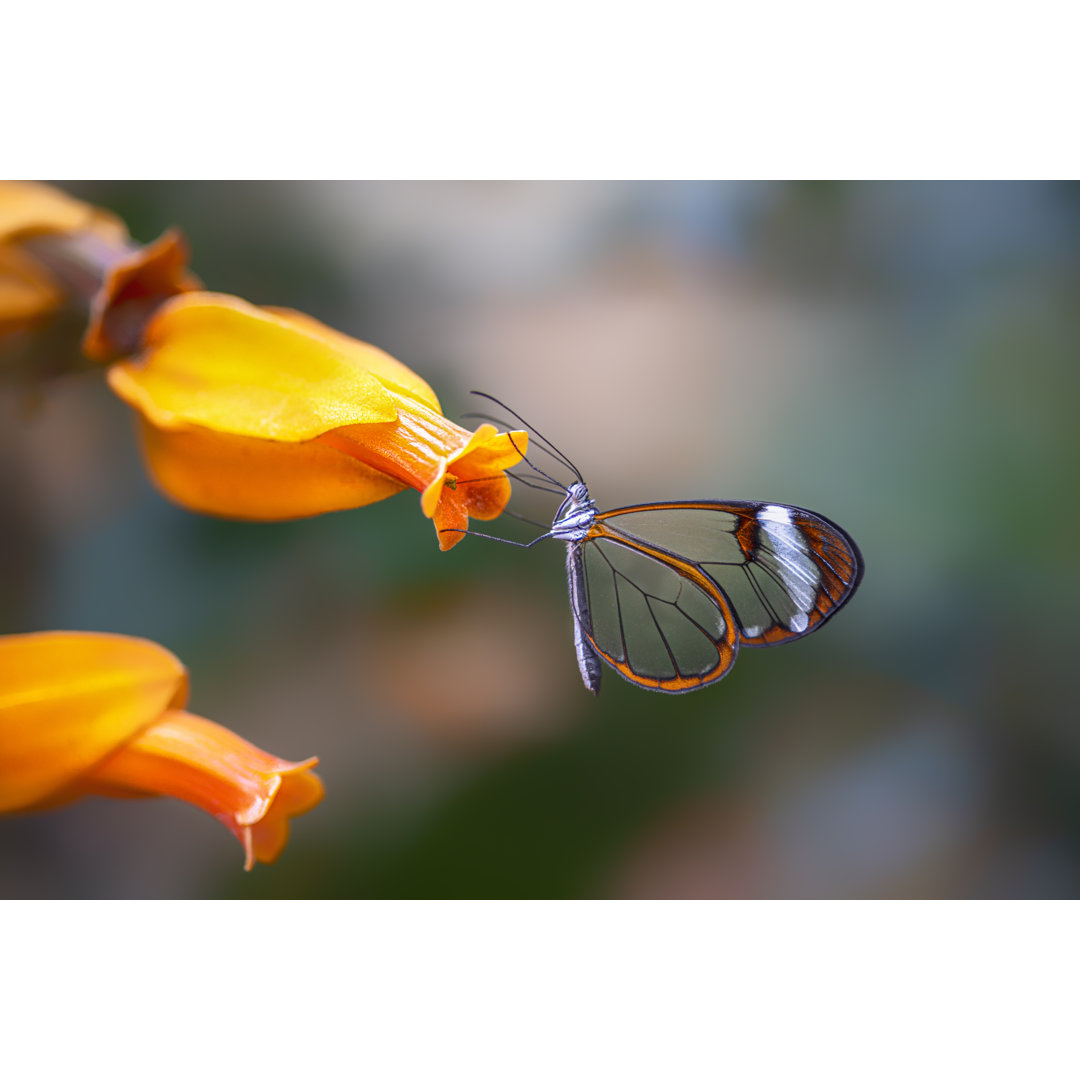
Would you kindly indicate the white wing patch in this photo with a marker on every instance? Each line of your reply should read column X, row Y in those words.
column 797, row 568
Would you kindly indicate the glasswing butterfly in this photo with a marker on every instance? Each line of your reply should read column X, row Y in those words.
column 667, row 593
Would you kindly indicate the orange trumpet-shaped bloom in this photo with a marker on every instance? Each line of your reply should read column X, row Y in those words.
column 85, row 713
column 28, row 291
column 52, row 246
column 267, row 414
column 254, row 413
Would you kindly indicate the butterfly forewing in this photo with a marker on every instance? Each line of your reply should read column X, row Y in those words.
column 655, row 625
column 783, row 570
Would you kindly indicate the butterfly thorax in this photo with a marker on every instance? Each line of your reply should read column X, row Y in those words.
column 575, row 516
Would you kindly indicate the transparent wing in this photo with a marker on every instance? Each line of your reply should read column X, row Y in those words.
column 782, row 569
column 658, row 622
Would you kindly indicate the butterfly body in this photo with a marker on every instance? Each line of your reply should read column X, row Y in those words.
column 572, row 523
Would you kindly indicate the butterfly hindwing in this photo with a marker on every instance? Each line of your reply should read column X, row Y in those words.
column 659, row 622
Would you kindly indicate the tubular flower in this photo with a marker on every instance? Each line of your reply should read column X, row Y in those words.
column 84, row 714
column 255, row 413
column 33, row 218
column 267, row 414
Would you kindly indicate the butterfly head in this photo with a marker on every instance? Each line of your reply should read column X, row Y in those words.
column 576, row 514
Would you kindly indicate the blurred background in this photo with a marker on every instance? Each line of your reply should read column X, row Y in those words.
column 902, row 358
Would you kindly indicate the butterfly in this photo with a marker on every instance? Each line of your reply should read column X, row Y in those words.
column 667, row 593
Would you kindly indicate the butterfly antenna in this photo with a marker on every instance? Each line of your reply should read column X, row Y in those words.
column 533, row 484
column 535, row 468
column 528, row 520
column 550, row 486
column 500, row 539
column 499, row 420
column 553, row 449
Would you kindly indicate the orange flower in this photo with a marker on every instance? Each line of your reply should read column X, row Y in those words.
column 256, row 413
column 52, row 245
column 28, row 292
column 84, row 714
column 267, row 414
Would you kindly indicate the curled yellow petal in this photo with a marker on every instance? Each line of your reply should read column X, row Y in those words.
column 484, row 457
column 217, row 362
column 382, row 365
column 68, row 700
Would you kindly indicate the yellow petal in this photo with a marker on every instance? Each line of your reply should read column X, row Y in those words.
column 430, row 497
column 451, row 518
column 300, row 791
column 489, row 453
column 251, row 792
column 68, row 700
column 28, row 209
column 483, row 457
column 486, row 499
column 220, row 363
column 258, row 480
column 382, row 365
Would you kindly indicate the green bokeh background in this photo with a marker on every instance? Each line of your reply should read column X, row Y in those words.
column 899, row 357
